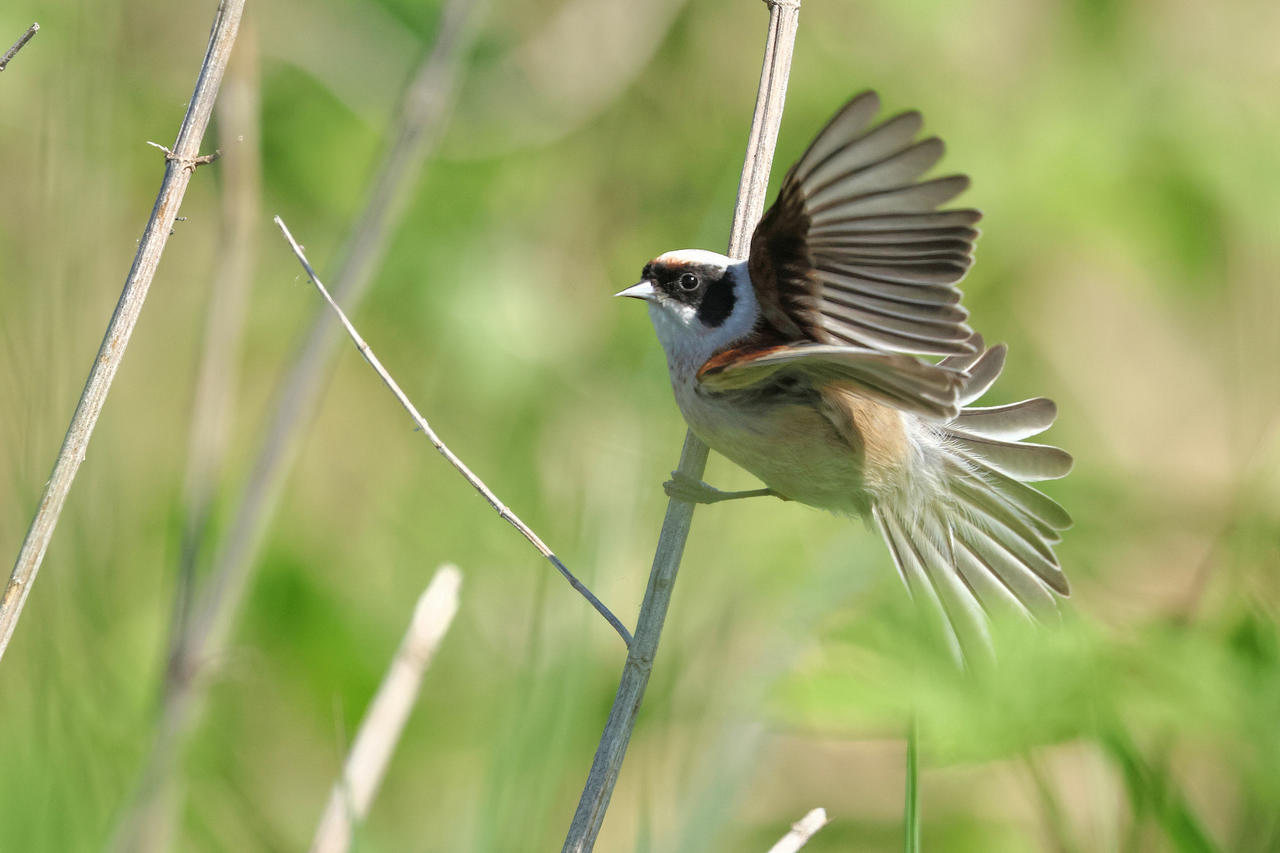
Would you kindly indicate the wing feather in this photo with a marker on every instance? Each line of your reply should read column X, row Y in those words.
column 954, row 222
column 915, row 198
column 899, row 380
column 900, row 308
column 862, row 151
column 983, row 372
column 848, row 123
column 837, row 281
column 899, row 166
column 854, row 250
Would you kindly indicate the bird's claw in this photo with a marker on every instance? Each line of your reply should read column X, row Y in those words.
column 685, row 488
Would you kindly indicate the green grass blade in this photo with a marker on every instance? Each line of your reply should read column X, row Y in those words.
column 1159, row 794
column 911, row 810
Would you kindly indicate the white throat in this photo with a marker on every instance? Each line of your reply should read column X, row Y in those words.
column 687, row 342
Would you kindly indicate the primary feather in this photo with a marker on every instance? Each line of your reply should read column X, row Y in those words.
column 853, row 250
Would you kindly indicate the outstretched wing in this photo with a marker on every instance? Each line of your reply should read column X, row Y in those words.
column 855, row 252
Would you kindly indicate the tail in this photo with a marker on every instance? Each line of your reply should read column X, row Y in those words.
column 983, row 543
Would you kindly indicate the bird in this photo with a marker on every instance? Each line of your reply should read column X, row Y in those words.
column 836, row 364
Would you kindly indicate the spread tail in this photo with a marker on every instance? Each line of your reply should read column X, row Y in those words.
column 985, row 544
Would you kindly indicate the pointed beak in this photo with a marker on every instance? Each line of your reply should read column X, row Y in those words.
column 644, row 290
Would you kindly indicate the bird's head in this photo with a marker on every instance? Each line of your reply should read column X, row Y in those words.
column 699, row 302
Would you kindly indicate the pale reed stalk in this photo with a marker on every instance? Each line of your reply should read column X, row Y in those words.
column 387, row 714
column 801, row 831
column 180, row 163
column 783, row 18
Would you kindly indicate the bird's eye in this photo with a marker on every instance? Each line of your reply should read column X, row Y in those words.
column 688, row 281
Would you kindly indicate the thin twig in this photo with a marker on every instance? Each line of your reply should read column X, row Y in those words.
column 19, row 45
column 801, row 832
column 213, row 405
column 783, row 18
column 383, row 722
column 503, row 511
column 177, row 175
column 426, row 102
column 146, row 824
column 211, row 614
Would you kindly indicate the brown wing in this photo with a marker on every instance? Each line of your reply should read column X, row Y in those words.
column 854, row 251
column 901, row 381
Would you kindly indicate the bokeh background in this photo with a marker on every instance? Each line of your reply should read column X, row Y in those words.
column 1125, row 155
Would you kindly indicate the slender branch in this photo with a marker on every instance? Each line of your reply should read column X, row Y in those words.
column 207, row 621
column 147, row 822
column 178, row 171
column 239, row 130
column 801, row 832
column 383, row 722
column 779, row 45
column 503, row 511
column 19, row 45
column 423, row 109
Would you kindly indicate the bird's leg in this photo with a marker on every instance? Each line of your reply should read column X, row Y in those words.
column 685, row 488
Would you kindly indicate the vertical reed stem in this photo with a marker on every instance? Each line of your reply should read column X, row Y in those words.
column 783, row 18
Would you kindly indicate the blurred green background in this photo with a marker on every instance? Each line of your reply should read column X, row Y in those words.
column 1125, row 156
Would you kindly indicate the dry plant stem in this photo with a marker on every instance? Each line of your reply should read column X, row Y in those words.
column 146, row 823
column 783, row 18
column 476, row 483
column 425, row 103
column 18, row 45
column 205, row 625
column 179, row 166
column 801, row 832
column 384, row 720
column 214, row 400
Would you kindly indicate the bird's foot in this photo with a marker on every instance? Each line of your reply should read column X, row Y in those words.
column 682, row 487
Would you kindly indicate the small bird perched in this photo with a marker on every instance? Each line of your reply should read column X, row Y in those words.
column 801, row 364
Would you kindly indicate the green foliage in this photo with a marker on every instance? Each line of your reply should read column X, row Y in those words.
column 1125, row 159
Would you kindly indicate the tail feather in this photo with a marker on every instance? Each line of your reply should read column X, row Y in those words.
column 965, row 613
column 994, row 499
column 985, row 543
column 950, row 604
column 1003, row 566
column 997, row 598
column 1020, row 460
column 987, row 510
column 1032, row 502
column 1030, row 555
column 1013, row 422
